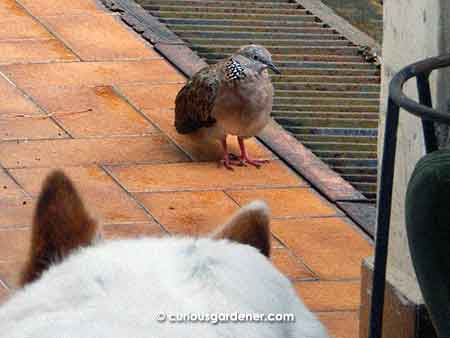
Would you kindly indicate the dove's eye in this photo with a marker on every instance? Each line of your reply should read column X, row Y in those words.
column 255, row 57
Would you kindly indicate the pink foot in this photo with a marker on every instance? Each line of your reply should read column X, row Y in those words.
column 229, row 160
column 254, row 162
column 246, row 159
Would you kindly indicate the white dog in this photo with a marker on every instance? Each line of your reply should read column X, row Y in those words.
column 218, row 287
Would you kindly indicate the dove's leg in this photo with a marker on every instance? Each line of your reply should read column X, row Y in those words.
column 245, row 158
column 228, row 160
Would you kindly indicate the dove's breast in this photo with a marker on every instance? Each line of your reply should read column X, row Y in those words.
column 245, row 108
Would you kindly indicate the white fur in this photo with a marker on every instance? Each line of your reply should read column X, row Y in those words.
column 115, row 289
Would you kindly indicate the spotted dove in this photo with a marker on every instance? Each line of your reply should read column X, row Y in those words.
column 231, row 97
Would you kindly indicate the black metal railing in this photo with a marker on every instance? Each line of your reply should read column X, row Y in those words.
column 397, row 99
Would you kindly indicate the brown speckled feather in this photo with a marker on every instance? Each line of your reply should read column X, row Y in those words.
column 195, row 101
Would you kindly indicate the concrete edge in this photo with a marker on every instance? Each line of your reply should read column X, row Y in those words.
column 279, row 141
column 328, row 15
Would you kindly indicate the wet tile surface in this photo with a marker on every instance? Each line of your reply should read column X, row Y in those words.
column 60, row 153
column 34, row 51
column 194, row 213
column 96, row 187
column 329, row 246
column 92, row 111
column 288, row 202
column 99, row 37
column 340, row 324
column 91, row 73
column 202, row 176
column 329, row 296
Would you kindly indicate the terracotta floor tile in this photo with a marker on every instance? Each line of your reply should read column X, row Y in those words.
column 107, row 202
column 34, row 51
column 99, row 37
column 14, row 244
column 340, row 324
column 302, row 202
column 289, row 265
column 191, row 213
column 10, row 272
column 202, row 176
column 16, row 212
column 197, row 146
column 29, row 128
column 13, row 101
column 8, row 188
column 10, row 8
column 132, row 230
column 152, row 96
column 73, row 152
column 57, row 7
column 22, row 27
column 329, row 246
column 92, row 111
column 91, row 73
column 329, row 296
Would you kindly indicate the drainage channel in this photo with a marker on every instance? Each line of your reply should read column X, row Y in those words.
column 327, row 95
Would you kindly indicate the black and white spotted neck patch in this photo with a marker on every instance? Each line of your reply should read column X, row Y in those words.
column 234, row 71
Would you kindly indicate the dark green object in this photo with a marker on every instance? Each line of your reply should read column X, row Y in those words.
column 428, row 228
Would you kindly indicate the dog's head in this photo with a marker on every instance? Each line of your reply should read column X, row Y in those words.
column 78, row 286
column 62, row 225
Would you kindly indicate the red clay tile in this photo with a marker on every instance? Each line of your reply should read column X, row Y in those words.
column 329, row 296
column 190, row 213
column 91, row 73
column 16, row 212
column 107, row 202
column 29, row 127
column 10, row 272
column 89, row 111
column 14, row 103
column 9, row 188
column 10, row 8
column 132, row 230
column 34, row 51
column 99, row 37
column 202, row 176
column 290, row 265
column 200, row 148
column 14, row 244
column 58, row 7
column 73, row 152
column 22, row 27
column 293, row 202
column 329, row 246
column 340, row 324
column 159, row 97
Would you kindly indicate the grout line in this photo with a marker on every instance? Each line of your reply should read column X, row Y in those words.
column 38, row 106
column 134, row 198
column 51, row 32
column 141, row 111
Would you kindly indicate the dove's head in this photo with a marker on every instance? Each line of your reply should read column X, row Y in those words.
column 259, row 55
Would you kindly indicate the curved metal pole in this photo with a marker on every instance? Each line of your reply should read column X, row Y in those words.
column 383, row 220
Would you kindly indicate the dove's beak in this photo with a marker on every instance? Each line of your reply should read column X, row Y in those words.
column 273, row 68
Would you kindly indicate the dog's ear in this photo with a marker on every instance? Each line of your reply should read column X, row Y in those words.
column 60, row 225
column 250, row 225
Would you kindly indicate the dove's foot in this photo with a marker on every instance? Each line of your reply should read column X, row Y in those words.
column 245, row 159
column 254, row 162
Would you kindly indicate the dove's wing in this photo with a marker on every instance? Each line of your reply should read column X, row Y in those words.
column 195, row 101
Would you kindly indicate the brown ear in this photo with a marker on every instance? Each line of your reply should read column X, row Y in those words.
column 250, row 225
column 60, row 225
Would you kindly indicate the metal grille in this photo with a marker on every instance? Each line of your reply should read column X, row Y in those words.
column 327, row 95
